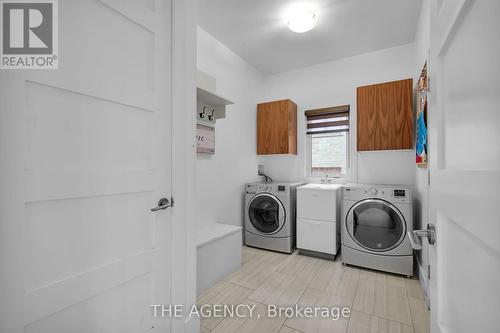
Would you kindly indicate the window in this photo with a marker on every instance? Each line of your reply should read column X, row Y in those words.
column 329, row 154
column 328, row 137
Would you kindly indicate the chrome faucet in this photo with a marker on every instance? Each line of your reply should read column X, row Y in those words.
column 326, row 180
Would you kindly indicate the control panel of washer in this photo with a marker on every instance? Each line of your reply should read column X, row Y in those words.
column 270, row 188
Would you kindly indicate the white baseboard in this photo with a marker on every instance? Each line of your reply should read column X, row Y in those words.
column 424, row 283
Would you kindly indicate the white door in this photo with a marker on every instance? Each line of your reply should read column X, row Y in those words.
column 464, row 135
column 85, row 154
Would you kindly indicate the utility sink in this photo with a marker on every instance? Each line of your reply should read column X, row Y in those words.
column 314, row 186
column 318, row 219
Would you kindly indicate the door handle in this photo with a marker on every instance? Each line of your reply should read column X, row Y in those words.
column 164, row 203
column 415, row 236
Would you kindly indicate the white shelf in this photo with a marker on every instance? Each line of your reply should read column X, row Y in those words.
column 215, row 103
column 211, row 98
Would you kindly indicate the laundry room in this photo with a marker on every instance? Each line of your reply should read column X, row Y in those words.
column 320, row 164
column 258, row 166
column 288, row 171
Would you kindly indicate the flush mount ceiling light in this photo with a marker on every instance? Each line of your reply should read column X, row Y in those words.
column 301, row 19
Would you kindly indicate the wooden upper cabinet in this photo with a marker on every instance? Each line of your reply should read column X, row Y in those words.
column 385, row 116
column 277, row 128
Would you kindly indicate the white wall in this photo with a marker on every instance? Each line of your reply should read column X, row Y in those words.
column 220, row 178
column 421, row 196
column 334, row 83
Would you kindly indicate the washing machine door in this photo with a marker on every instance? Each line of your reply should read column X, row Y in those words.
column 266, row 213
column 376, row 225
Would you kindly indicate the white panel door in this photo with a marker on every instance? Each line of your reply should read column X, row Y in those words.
column 86, row 153
column 464, row 117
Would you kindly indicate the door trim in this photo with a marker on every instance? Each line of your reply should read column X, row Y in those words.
column 183, row 245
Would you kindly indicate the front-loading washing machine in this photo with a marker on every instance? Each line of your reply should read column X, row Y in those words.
column 375, row 222
column 270, row 215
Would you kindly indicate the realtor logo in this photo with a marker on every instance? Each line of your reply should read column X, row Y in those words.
column 29, row 34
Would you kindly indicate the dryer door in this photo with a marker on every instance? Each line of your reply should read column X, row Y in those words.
column 266, row 213
column 376, row 225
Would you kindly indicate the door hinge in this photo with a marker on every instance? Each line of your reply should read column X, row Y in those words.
column 429, row 177
column 428, row 272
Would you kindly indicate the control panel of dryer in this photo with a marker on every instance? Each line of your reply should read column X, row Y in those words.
column 391, row 194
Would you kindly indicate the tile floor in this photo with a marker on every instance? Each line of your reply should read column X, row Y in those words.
column 379, row 302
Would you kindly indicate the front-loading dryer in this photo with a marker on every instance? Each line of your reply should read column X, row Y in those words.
column 375, row 221
column 270, row 215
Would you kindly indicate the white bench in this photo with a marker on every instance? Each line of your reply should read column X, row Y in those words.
column 218, row 250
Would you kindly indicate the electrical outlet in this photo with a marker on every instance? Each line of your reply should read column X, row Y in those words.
column 261, row 169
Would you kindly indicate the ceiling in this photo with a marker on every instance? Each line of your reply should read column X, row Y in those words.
column 257, row 31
